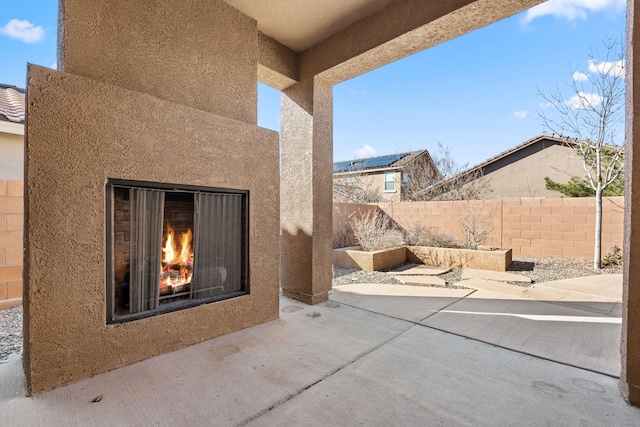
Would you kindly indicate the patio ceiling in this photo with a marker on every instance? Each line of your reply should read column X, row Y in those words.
column 301, row 24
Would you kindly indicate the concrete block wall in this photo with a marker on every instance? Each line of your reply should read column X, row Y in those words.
column 536, row 227
column 11, row 225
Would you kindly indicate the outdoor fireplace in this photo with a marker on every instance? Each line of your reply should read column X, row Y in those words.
column 94, row 298
column 172, row 247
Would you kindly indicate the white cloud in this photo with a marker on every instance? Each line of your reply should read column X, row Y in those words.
column 582, row 100
column 520, row 115
column 580, row 77
column 54, row 65
column 572, row 9
column 614, row 69
column 365, row 151
column 545, row 104
column 24, row 31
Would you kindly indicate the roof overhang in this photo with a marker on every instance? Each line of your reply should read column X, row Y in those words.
column 11, row 128
column 341, row 39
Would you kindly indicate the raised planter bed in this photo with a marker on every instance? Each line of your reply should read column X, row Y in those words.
column 355, row 257
column 483, row 258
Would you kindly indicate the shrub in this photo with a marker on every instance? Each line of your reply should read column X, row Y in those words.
column 421, row 236
column 342, row 236
column 613, row 258
column 373, row 231
column 476, row 226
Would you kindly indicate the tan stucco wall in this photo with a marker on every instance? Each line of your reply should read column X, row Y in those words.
column 111, row 132
column 198, row 53
column 630, row 348
column 12, row 159
column 525, row 177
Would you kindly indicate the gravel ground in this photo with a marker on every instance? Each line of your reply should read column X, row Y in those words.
column 538, row 269
column 10, row 332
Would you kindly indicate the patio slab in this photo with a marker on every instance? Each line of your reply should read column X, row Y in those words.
column 426, row 378
column 421, row 280
column 505, row 289
column 329, row 364
column 411, row 303
column 564, row 333
column 223, row 381
column 500, row 276
column 602, row 285
column 419, row 270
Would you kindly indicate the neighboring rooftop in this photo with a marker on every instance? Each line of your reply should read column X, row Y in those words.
column 386, row 161
column 12, row 107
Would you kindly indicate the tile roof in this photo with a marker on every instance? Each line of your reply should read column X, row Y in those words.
column 12, row 104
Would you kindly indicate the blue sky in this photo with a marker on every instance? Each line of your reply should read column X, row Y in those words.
column 476, row 94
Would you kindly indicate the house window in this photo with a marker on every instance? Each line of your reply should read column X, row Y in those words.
column 389, row 181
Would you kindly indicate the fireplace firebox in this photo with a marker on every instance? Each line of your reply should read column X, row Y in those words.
column 171, row 247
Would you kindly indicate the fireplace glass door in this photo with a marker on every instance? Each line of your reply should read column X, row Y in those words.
column 173, row 247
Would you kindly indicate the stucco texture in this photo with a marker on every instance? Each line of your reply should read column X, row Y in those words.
column 524, row 177
column 79, row 134
column 199, row 53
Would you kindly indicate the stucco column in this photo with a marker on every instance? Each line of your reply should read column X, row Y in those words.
column 630, row 377
column 306, row 190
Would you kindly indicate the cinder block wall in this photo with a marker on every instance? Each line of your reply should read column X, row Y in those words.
column 343, row 214
column 11, row 224
column 537, row 227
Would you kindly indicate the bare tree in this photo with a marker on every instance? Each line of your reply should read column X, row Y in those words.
column 354, row 189
column 453, row 182
column 590, row 115
column 476, row 226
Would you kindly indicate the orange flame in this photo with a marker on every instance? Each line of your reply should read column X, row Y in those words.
column 177, row 265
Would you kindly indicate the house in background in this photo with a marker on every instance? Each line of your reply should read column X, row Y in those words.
column 382, row 178
column 12, row 114
column 520, row 171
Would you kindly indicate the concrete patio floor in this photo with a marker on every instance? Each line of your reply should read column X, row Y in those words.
column 373, row 355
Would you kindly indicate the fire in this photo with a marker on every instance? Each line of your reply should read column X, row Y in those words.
column 177, row 264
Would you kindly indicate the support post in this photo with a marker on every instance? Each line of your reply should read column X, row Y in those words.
column 306, row 190
column 630, row 376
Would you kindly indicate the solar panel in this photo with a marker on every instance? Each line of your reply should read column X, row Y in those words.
column 373, row 162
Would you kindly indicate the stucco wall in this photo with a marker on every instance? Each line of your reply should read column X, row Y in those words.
column 12, row 159
column 198, row 53
column 111, row 132
column 525, row 177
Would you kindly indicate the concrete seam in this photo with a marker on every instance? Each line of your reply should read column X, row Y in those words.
column 447, row 306
column 331, row 373
column 521, row 352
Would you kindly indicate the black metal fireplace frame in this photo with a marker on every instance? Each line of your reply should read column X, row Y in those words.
column 111, row 316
